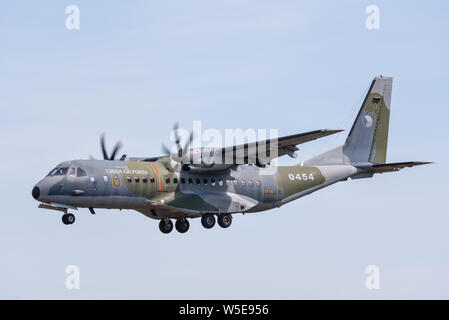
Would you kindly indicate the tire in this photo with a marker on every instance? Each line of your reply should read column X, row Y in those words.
column 68, row 218
column 182, row 225
column 165, row 226
column 224, row 220
column 208, row 220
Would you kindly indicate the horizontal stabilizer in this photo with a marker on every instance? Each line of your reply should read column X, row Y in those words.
column 390, row 167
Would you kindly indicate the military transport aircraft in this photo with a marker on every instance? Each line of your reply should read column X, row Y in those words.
column 236, row 179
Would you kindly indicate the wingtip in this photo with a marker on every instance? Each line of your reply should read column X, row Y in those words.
column 334, row 130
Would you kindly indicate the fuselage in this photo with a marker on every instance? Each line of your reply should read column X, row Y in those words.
column 139, row 185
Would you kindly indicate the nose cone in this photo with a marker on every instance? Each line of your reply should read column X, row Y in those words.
column 36, row 193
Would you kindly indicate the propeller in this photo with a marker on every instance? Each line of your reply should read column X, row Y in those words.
column 117, row 147
column 181, row 150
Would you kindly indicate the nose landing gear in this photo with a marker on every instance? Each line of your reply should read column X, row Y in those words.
column 68, row 218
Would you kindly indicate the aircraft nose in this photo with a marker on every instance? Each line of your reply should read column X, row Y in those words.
column 36, row 192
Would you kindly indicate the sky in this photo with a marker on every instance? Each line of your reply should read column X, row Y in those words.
column 133, row 68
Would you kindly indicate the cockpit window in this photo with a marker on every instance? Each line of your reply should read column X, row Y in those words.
column 80, row 172
column 58, row 171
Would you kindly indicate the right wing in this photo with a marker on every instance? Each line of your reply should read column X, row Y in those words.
column 259, row 153
column 244, row 153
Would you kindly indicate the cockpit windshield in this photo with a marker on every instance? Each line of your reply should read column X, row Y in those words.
column 58, row 171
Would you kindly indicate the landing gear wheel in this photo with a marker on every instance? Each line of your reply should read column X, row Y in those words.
column 166, row 226
column 224, row 220
column 68, row 218
column 182, row 225
column 208, row 220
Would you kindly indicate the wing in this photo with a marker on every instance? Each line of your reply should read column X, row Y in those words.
column 259, row 153
column 262, row 152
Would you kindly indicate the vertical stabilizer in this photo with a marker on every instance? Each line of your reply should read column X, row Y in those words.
column 368, row 138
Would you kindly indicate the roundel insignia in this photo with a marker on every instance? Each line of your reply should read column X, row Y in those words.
column 367, row 121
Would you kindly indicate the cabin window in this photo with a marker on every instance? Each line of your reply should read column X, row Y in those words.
column 167, row 180
column 175, row 180
column 105, row 178
column 183, row 180
column 71, row 172
column 136, row 179
column 205, row 181
column 129, row 179
column 190, row 180
column 198, row 181
column 220, row 182
column 228, row 182
column 144, row 179
column 250, row 183
column 242, row 182
column 80, row 173
column 212, row 182
column 258, row 183
column 152, row 180
column 236, row 182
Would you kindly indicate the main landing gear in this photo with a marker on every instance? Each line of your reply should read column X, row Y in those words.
column 182, row 225
column 166, row 226
column 224, row 220
column 68, row 218
column 208, row 221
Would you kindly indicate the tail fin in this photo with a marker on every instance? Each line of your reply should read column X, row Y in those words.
column 368, row 138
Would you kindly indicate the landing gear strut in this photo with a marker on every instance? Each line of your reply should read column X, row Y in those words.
column 166, row 226
column 182, row 225
column 208, row 220
column 224, row 220
column 68, row 218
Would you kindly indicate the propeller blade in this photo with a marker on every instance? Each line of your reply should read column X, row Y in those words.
column 177, row 137
column 103, row 147
column 117, row 147
column 182, row 152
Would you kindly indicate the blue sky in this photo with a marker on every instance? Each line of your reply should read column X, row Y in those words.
column 134, row 68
